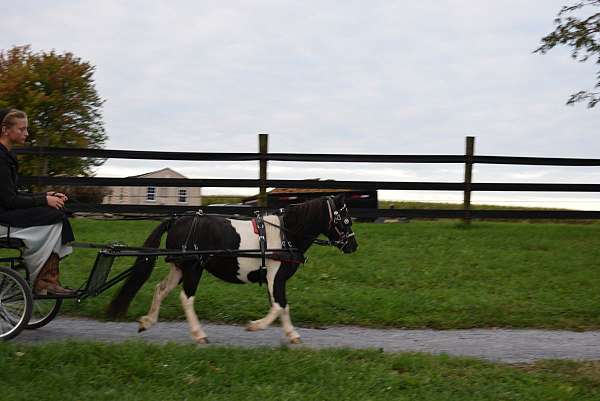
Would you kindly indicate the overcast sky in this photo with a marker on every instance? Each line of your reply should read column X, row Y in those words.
column 378, row 77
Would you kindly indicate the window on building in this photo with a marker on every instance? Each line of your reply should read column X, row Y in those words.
column 182, row 196
column 151, row 194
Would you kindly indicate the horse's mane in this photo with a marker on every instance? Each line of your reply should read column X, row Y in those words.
column 305, row 218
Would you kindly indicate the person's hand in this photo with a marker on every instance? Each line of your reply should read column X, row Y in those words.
column 59, row 195
column 55, row 201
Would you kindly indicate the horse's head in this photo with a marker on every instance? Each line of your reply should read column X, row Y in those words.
column 339, row 230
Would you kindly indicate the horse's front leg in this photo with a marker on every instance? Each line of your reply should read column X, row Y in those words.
column 287, row 326
column 160, row 293
column 275, row 310
column 279, row 305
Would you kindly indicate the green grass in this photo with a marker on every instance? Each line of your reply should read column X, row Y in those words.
column 216, row 199
column 136, row 371
column 383, row 204
column 436, row 274
column 386, row 204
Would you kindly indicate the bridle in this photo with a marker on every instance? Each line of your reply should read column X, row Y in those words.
column 339, row 223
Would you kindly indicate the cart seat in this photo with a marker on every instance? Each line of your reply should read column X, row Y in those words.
column 7, row 241
column 11, row 243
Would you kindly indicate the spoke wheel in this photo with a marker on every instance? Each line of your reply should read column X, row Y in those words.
column 44, row 310
column 16, row 303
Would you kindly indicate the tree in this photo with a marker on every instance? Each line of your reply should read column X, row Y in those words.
column 58, row 94
column 583, row 36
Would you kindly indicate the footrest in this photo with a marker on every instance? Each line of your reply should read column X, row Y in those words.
column 75, row 295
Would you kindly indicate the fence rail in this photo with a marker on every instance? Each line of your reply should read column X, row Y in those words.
column 354, row 185
column 469, row 159
column 296, row 157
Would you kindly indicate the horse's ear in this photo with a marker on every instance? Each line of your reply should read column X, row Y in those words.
column 340, row 200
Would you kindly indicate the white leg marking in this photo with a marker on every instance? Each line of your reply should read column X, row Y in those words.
column 266, row 321
column 275, row 310
column 195, row 329
column 160, row 293
column 288, row 328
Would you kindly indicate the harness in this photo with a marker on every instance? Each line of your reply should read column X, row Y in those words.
column 259, row 223
column 288, row 252
column 190, row 234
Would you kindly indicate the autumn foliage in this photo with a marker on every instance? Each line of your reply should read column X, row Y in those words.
column 58, row 93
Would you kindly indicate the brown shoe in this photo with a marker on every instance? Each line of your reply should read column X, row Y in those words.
column 46, row 275
column 57, row 289
column 47, row 280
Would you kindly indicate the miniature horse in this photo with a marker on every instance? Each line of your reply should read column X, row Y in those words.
column 298, row 226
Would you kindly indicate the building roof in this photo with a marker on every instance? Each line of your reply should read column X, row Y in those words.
column 305, row 190
column 163, row 171
column 277, row 191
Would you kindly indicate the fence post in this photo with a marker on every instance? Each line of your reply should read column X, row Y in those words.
column 469, row 152
column 263, row 149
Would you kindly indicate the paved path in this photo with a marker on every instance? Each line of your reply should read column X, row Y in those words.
column 511, row 346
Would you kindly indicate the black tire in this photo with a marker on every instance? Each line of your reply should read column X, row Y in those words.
column 43, row 312
column 16, row 303
column 44, row 309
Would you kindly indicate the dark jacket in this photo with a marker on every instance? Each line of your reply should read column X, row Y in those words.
column 19, row 209
column 10, row 197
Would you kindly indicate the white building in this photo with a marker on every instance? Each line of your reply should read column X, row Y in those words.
column 184, row 196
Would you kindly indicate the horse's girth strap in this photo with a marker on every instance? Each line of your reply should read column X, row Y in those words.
column 262, row 239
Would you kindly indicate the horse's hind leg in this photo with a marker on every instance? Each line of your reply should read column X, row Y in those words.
column 191, row 277
column 160, row 292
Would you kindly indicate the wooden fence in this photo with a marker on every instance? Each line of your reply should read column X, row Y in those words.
column 469, row 160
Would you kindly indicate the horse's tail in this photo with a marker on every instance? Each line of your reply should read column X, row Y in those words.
column 142, row 269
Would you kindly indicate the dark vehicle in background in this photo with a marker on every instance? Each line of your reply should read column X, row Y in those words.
column 282, row 197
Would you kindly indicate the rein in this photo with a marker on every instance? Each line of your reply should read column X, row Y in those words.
column 335, row 220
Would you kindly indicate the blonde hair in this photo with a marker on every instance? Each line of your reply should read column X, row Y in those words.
column 10, row 117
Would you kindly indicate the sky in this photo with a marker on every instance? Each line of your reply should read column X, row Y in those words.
column 365, row 77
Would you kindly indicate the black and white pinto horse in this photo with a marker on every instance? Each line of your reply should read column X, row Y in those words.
column 297, row 226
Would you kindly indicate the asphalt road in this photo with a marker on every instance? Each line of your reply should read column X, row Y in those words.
column 503, row 345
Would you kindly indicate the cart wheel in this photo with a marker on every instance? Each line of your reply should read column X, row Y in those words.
column 15, row 303
column 44, row 310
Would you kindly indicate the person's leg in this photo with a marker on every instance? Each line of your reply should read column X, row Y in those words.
column 47, row 279
column 47, row 275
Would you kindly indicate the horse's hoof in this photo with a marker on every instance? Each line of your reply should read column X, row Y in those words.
column 252, row 327
column 141, row 326
column 144, row 324
column 202, row 341
column 296, row 340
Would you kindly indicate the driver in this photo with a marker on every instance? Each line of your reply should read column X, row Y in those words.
column 37, row 219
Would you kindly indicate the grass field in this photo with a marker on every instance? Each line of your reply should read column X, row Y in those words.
column 386, row 204
column 436, row 274
column 218, row 199
column 136, row 371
